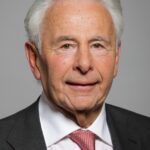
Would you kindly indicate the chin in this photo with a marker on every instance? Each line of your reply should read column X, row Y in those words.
column 84, row 106
column 80, row 103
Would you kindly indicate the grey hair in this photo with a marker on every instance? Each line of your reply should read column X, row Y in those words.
column 36, row 13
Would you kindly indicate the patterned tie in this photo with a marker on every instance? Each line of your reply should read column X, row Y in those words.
column 84, row 139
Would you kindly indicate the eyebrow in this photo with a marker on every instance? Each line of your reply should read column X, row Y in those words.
column 65, row 38
column 70, row 38
column 100, row 38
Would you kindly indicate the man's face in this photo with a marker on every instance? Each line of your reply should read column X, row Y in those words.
column 78, row 59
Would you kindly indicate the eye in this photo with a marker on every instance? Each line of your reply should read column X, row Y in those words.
column 98, row 45
column 66, row 46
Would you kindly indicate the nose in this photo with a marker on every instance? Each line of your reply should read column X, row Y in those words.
column 83, row 62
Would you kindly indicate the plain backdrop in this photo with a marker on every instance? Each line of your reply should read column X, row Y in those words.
column 131, row 88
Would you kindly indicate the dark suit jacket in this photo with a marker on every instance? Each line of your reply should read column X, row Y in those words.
column 22, row 131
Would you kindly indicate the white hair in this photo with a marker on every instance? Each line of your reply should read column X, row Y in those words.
column 36, row 13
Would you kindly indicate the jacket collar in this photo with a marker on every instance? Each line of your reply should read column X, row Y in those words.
column 26, row 133
column 124, row 137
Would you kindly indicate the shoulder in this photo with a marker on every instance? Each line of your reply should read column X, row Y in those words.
column 124, row 111
column 6, row 124
column 133, row 120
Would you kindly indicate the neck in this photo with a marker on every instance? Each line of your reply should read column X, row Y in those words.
column 85, row 119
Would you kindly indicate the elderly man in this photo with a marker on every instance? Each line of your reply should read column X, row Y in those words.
column 73, row 49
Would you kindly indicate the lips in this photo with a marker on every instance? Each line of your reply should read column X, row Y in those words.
column 82, row 86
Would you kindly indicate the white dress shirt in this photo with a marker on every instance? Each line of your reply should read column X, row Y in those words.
column 56, row 127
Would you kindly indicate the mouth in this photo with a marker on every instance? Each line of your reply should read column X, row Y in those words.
column 82, row 86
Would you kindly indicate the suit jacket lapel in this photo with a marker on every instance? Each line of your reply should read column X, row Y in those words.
column 26, row 133
column 123, row 136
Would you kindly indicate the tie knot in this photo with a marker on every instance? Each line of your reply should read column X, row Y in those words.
column 85, row 139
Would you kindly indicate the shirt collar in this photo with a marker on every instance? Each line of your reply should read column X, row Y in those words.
column 100, row 127
column 56, row 126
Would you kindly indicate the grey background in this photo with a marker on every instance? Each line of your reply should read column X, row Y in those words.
column 131, row 88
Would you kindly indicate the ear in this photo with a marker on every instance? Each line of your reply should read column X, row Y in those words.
column 32, row 57
column 117, row 60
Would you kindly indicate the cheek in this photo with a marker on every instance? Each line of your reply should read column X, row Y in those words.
column 57, row 67
column 106, row 67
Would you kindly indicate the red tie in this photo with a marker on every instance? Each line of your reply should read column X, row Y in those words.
column 84, row 139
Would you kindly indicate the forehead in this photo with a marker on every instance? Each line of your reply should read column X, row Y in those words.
column 80, row 15
column 72, row 7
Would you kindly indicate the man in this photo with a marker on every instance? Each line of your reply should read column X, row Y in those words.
column 73, row 49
